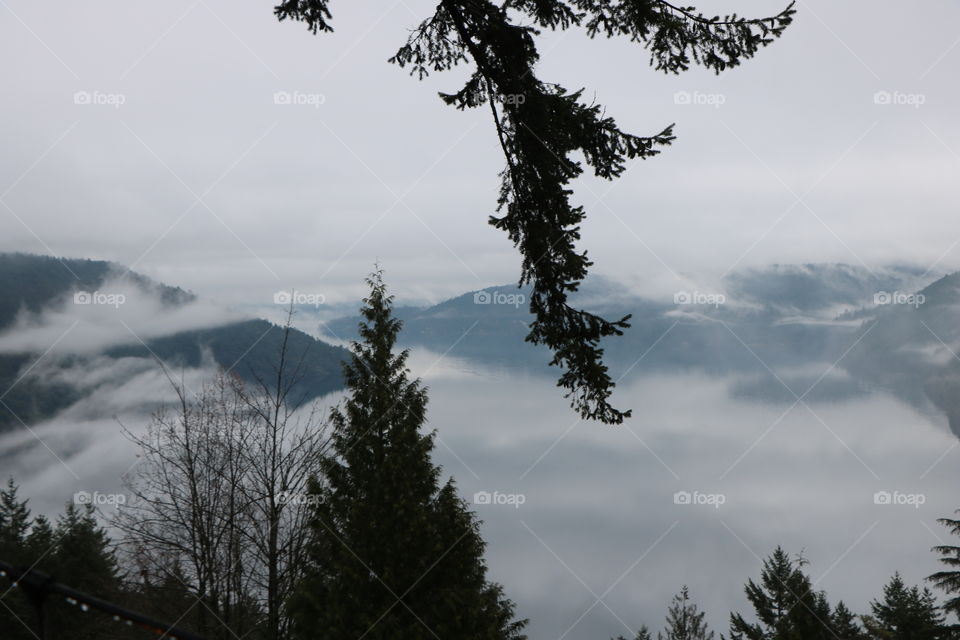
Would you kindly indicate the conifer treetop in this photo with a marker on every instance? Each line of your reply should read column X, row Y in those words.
column 393, row 553
column 948, row 579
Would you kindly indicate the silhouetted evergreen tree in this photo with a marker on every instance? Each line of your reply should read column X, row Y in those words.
column 394, row 554
column 76, row 552
column 14, row 524
column 17, row 617
column 685, row 620
column 40, row 543
column 84, row 559
column 642, row 634
column 541, row 127
column 785, row 604
column 905, row 614
column 949, row 579
column 846, row 625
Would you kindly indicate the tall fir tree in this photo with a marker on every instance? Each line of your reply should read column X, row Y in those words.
column 40, row 544
column 685, row 620
column 948, row 580
column 14, row 524
column 17, row 614
column 905, row 613
column 785, row 605
column 394, row 554
column 85, row 560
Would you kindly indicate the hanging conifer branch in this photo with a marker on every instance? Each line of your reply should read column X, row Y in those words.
column 541, row 126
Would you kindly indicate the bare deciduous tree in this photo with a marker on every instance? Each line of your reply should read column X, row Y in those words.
column 219, row 498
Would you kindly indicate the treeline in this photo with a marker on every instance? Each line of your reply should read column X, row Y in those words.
column 250, row 515
column 75, row 548
column 786, row 606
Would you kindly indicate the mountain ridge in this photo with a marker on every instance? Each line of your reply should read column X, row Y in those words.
column 35, row 288
column 771, row 328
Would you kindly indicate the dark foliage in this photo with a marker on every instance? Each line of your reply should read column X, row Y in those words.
column 785, row 605
column 949, row 579
column 542, row 127
column 395, row 554
column 75, row 550
column 905, row 613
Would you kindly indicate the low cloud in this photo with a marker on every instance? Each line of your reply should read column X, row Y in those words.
column 118, row 313
column 602, row 499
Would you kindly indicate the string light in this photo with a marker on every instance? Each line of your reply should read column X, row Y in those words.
column 39, row 586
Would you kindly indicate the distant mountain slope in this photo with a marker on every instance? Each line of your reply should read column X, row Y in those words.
column 32, row 287
column 912, row 348
column 793, row 319
column 665, row 335
column 785, row 314
column 249, row 349
column 30, row 282
column 813, row 288
column 25, row 400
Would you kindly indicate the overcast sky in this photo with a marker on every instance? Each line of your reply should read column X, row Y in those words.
column 188, row 170
column 149, row 134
